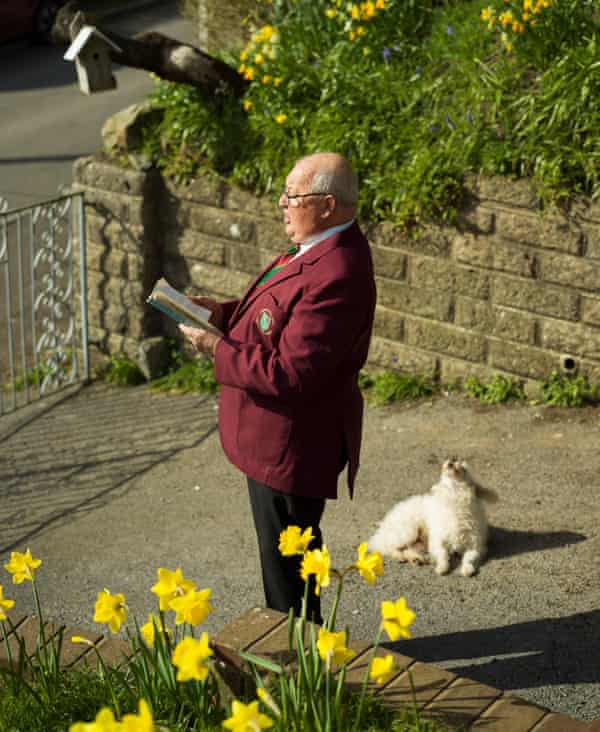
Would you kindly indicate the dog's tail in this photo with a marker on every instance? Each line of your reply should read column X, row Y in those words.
column 486, row 494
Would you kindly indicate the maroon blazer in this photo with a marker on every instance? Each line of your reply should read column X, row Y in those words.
column 290, row 407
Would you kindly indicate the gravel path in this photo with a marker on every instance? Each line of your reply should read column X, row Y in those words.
column 106, row 484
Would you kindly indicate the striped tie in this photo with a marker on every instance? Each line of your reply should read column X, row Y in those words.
column 279, row 264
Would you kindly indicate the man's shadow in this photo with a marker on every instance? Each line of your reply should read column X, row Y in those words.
column 545, row 652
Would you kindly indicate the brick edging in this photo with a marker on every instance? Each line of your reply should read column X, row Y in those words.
column 439, row 694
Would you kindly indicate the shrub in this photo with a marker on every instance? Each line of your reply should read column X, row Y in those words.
column 562, row 390
column 121, row 371
column 415, row 92
column 197, row 375
column 499, row 390
column 391, row 386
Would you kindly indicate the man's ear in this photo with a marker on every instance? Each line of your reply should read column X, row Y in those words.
column 330, row 206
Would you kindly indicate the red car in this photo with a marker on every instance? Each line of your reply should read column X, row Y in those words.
column 27, row 17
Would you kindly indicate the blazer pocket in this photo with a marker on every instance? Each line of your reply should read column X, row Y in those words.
column 263, row 432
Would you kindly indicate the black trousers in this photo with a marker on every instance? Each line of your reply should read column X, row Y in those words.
column 273, row 512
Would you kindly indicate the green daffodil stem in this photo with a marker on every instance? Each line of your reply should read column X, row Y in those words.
column 366, row 679
column 41, row 630
column 328, row 695
column 330, row 624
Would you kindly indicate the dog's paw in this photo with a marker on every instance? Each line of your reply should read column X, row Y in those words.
column 442, row 568
column 468, row 570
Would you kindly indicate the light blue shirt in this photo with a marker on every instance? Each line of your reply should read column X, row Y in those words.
column 321, row 236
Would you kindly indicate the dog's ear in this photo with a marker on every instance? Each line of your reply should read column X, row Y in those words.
column 485, row 494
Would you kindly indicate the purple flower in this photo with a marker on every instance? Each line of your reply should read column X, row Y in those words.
column 449, row 30
column 449, row 122
column 386, row 53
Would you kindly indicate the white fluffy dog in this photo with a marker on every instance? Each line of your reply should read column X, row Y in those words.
column 448, row 520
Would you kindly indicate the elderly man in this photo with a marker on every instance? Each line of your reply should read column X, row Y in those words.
column 290, row 414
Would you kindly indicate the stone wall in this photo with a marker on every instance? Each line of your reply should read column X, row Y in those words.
column 506, row 290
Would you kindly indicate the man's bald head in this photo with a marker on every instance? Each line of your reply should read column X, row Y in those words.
column 329, row 172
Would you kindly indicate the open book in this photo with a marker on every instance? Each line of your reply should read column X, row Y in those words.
column 179, row 307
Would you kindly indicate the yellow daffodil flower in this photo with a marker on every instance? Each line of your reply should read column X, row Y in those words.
column 244, row 56
column 380, row 4
column 527, row 4
column 247, row 718
column 316, row 562
column 352, row 35
column 355, row 12
column 366, row 51
column 487, row 13
column 171, row 585
column 249, row 74
column 241, row 68
column 192, row 608
column 105, row 722
column 266, row 79
column 506, row 18
column 331, row 12
column 332, row 647
column 259, row 59
column 247, row 104
column 396, row 618
column 141, row 722
column 360, row 30
column 369, row 565
column 280, row 118
column 22, row 566
column 110, row 610
column 189, row 657
column 382, row 668
column 277, row 80
column 368, row 9
column 294, row 541
column 148, row 630
column 5, row 604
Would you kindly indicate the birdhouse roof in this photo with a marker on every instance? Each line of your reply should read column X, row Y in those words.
column 82, row 38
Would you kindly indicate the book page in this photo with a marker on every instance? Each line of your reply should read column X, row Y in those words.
column 179, row 307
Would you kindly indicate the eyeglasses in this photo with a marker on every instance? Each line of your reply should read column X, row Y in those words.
column 293, row 199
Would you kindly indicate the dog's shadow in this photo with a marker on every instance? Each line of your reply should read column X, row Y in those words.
column 507, row 542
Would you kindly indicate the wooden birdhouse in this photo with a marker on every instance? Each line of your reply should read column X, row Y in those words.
column 90, row 50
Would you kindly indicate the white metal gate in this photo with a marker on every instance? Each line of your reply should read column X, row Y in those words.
column 43, row 300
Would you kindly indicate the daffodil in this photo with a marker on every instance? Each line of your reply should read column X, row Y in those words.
column 22, row 566
column 380, row 4
column 280, row 118
column 249, row 74
column 105, row 722
column 382, row 668
column 141, row 722
column 244, row 55
column 259, row 59
column 190, row 656
column 247, row 718
column 331, row 12
column 277, row 80
column 171, row 585
column 193, row 607
column 247, row 104
column 487, row 13
column 266, row 79
column 5, row 604
column 332, row 647
column 369, row 565
column 396, row 618
column 316, row 562
column 294, row 541
column 110, row 609
column 148, row 630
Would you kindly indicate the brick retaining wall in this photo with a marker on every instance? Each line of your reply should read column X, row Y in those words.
column 505, row 290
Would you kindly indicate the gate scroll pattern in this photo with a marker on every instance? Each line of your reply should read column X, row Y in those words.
column 43, row 311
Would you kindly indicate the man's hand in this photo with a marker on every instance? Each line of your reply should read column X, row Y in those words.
column 202, row 340
column 215, row 308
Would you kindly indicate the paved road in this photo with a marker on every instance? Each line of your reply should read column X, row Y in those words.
column 110, row 484
column 47, row 122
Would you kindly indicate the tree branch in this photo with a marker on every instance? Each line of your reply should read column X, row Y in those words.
column 167, row 58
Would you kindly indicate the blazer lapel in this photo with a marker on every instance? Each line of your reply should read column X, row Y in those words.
column 292, row 269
